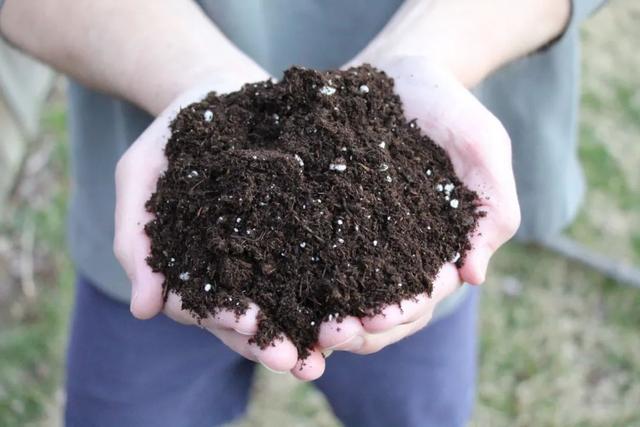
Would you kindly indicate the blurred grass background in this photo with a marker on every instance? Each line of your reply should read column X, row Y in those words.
column 560, row 344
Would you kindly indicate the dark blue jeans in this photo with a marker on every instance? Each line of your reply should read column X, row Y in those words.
column 122, row 372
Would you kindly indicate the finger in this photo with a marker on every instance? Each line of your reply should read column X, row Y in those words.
column 490, row 175
column 446, row 282
column 476, row 262
column 173, row 309
column 146, row 293
column 494, row 229
column 373, row 343
column 246, row 324
column 404, row 312
column 310, row 368
column 134, row 186
column 280, row 356
column 334, row 334
column 236, row 342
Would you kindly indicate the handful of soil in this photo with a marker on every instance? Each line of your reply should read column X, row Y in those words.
column 313, row 197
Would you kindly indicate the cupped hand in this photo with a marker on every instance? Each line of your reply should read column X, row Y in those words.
column 480, row 151
column 137, row 173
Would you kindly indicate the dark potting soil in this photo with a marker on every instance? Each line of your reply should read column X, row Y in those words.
column 313, row 197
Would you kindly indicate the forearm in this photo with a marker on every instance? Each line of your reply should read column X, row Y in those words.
column 145, row 51
column 471, row 38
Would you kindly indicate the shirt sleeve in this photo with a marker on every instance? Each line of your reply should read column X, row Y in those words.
column 580, row 10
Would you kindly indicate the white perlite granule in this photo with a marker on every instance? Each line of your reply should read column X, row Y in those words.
column 208, row 115
column 454, row 203
column 364, row 89
column 207, row 287
column 184, row 276
column 338, row 167
column 299, row 160
column 327, row 90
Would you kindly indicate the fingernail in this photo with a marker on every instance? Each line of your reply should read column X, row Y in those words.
column 243, row 332
column 327, row 353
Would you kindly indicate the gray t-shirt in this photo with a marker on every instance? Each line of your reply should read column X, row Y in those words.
column 535, row 97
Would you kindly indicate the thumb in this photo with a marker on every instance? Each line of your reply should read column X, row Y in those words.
column 136, row 176
column 146, row 286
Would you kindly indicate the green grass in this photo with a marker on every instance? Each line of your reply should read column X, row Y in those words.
column 629, row 100
column 31, row 344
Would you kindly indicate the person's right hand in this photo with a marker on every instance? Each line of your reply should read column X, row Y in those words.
column 136, row 176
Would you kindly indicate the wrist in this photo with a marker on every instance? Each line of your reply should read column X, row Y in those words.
column 468, row 38
column 468, row 70
column 154, row 96
column 438, row 36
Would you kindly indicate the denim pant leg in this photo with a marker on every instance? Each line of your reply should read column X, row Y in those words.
column 426, row 380
column 130, row 373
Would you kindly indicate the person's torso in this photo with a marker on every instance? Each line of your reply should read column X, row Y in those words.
column 535, row 97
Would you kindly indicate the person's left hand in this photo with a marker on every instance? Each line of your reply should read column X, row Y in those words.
column 480, row 151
